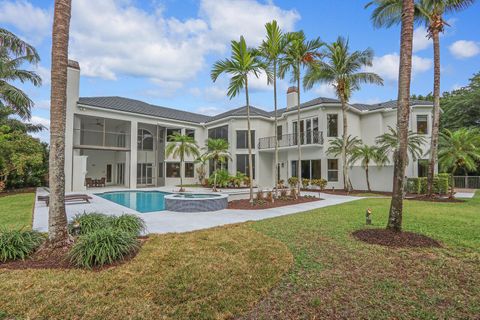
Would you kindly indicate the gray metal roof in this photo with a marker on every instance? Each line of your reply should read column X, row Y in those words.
column 135, row 106
column 139, row 107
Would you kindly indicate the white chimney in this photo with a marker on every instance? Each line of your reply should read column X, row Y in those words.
column 292, row 96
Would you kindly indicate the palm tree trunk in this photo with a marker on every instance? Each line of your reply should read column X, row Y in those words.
column 368, row 180
column 182, row 172
column 215, row 175
column 436, row 111
column 275, row 170
column 346, row 182
column 299, row 149
column 249, row 141
column 57, row 218
column 403, row 113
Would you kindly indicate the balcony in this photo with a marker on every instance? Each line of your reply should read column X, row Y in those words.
column 290, row 140
column 100, row 139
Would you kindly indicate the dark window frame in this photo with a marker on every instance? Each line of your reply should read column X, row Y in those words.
column 422, row 129
column 330, row 171
column 330, row 133
column 241, row 137
column 167, row 173
column 173, row 130
column 192, row 170
column 244, row 162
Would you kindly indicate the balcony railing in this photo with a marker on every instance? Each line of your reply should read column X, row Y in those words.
column 289, row 140
column 99, row 138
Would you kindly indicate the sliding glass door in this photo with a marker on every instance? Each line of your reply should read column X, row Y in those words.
column 144, row 174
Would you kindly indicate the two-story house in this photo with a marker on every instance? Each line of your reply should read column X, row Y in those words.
column 121, row 141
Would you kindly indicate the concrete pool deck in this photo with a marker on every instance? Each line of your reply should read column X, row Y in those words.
column 168, row 221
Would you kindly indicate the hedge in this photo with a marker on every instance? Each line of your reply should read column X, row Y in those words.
column 441, row 184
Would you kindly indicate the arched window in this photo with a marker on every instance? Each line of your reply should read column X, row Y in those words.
column 145, row 140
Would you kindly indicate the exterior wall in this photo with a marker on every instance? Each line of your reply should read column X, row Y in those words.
column 73, row 88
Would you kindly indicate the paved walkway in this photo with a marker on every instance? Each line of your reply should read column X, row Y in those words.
column 167, row 221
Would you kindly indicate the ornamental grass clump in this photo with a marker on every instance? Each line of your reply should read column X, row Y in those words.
column 18, row 244
column 88, row 222
column 103, row 247
column 129, row 223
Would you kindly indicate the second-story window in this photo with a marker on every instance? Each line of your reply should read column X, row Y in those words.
column 171, row 132
column 145, row 140
column 279, row 132
column 218, row 133
column 242, row 142
column 422, row 124
column 190, row 133
column 332, row 125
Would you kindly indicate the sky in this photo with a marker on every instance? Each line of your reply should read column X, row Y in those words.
column 162, row 51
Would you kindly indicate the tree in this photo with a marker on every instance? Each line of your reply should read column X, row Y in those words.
column 14, row 54
column 430, row 13
column 343, row 71
column 367, row 154
column 217, row 151
column 299, row 53
column 407, row 9
column 19, row 154
column 17, row 125
column 337, row 149
column 389, row 143
column 57, row 218
column 461, row 107
column 243, row 62
column 271, row 50
column 179, row 147
column 459, row 149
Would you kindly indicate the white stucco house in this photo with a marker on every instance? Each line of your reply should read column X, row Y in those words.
column 123, row 140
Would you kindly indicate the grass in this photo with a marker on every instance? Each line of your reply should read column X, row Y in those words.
column 16, row 210
column 303, row 266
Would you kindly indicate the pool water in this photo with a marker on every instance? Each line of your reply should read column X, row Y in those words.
column 141, row 201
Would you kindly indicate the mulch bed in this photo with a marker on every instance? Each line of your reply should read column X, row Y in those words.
column 434, row 199
column 244, row 204
column 16, row 191
column 45, row 258
column 394, row 239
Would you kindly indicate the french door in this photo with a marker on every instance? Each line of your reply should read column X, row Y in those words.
column 144, row 174
column 120, row 173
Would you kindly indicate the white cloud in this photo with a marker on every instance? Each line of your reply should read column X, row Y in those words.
column 35, row 22
column 325, row 90
column 462, row 49
column 210, row 111
column 228, row 19
column 387, row 66
column 420, row 39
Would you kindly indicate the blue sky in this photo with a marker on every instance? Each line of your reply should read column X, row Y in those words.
column 162, row 51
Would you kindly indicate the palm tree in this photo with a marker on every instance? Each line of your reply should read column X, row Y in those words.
column 337, row 149
column 299, row 53
column 389, row 142
column 429, row 13
column 406, row 19
column 14, row 54
column 367, row 154
column 17, row 125
column 179, row 147
column 217, row 151
column 459, row 149
column 243, row 62
column 343, row 70
column 271, row 50
column 57, row 218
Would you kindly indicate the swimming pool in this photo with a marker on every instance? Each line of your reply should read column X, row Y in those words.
column 141, row 201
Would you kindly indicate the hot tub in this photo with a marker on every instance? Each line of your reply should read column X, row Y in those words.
column 196, row 202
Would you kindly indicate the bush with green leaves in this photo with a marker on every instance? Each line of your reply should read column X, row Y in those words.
column 18, row 244
column 89, row 222
column 102, row 247
column 441, row 184
column 222, row 176
column 320, row 183
column 293, row 181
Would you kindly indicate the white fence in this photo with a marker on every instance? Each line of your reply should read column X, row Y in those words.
column 467, row 182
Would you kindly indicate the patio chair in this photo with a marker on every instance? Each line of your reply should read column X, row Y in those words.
column 102, row 182
column 88, row 182
column 68, row 198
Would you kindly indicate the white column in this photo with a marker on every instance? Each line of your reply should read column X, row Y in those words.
column 133, row 154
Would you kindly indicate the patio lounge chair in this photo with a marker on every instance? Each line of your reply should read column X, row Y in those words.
column 68, row 198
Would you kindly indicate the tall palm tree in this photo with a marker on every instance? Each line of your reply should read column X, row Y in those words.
column 179, row 147
column 343, row 70
column 57, row 218
column 367, row 154
column 17, row 125
column 338, row 147
column 243, row 62
column 459, row 149
column 14, row 54
column 389, row 143
column 271, row 50
column 429, row 13
column 406, row 18
column 217, row 151
column 299, row 53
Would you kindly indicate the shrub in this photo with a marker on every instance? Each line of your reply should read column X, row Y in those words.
column 102, row 247
column 260, row 195
column 321, row 183
column 306, row 183
column 223, row 178
column 269, row 196
column 441, row 184
column 129, row 223
column 18, row 244
column 293, row 193
column 293, row 181
column 281, row 184
column 88, row 222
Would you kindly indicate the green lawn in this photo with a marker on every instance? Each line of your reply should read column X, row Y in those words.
column 16, row 210
column 300, row 266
